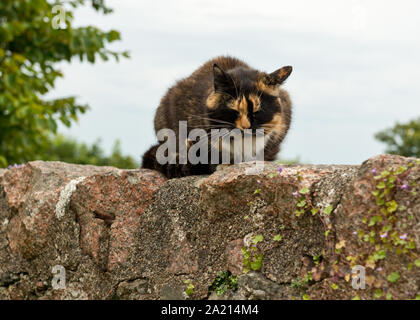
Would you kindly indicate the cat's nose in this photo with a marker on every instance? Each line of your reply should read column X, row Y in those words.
column 244, row 123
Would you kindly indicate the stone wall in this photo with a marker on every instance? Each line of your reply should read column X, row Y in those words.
column 290, row 232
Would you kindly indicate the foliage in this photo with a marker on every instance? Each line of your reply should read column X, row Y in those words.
column 381, row 235
column 382, row 230
column 252, row 255
column 30, row 49
column 277, row 237
column 189, row 291
column 393, row 277
column 402, row 139
column 69, row 150
column 224, row 282
column 303, row 282
column 383, row 221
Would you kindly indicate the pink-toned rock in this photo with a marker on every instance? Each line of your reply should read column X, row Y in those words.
column 183, row 261
column 235, row 256
column 32, row 192
column 229, row 190
column 52, row 212
column 109, row 207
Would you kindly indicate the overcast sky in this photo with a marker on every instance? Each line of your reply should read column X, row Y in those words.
column 356, row 67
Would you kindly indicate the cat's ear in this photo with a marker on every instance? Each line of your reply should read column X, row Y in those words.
column 280, row 75
column 222, row 81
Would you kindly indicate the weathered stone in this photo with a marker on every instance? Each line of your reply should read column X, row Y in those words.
column 131, row 234
column 133, row 289
column 54, row 213
column 354, row 206
column 171, row 291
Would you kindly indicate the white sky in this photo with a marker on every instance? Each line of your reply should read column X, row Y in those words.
column 356, row 67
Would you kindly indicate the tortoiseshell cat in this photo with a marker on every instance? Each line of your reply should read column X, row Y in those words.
column 224, row 93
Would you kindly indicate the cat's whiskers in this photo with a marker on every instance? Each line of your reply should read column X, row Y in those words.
column 236, row 88
column 209, row 135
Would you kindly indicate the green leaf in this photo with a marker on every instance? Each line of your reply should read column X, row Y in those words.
column 334, row 286
column 301, row 203
column 256, row 263
column 378, row 294
column 246, row 253
column 277, row 237
column 417, row 263
column 381, row 254
column 385, row 173
column 299, row 212
column 393, row 277
column 190, row 289
column 392, row 206
column 328, row 210
column 381, row 185
column 258, row 238
column 380, row 202
column 374, row 220
column 401, row 169
column 314, row 211
column 304, row 190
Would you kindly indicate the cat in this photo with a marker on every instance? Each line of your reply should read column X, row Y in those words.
column 223, row 93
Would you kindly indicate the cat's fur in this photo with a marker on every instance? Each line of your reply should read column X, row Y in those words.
column 224, row 92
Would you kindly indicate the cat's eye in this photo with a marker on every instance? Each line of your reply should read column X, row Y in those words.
column 257, row 108
column 256, row 103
